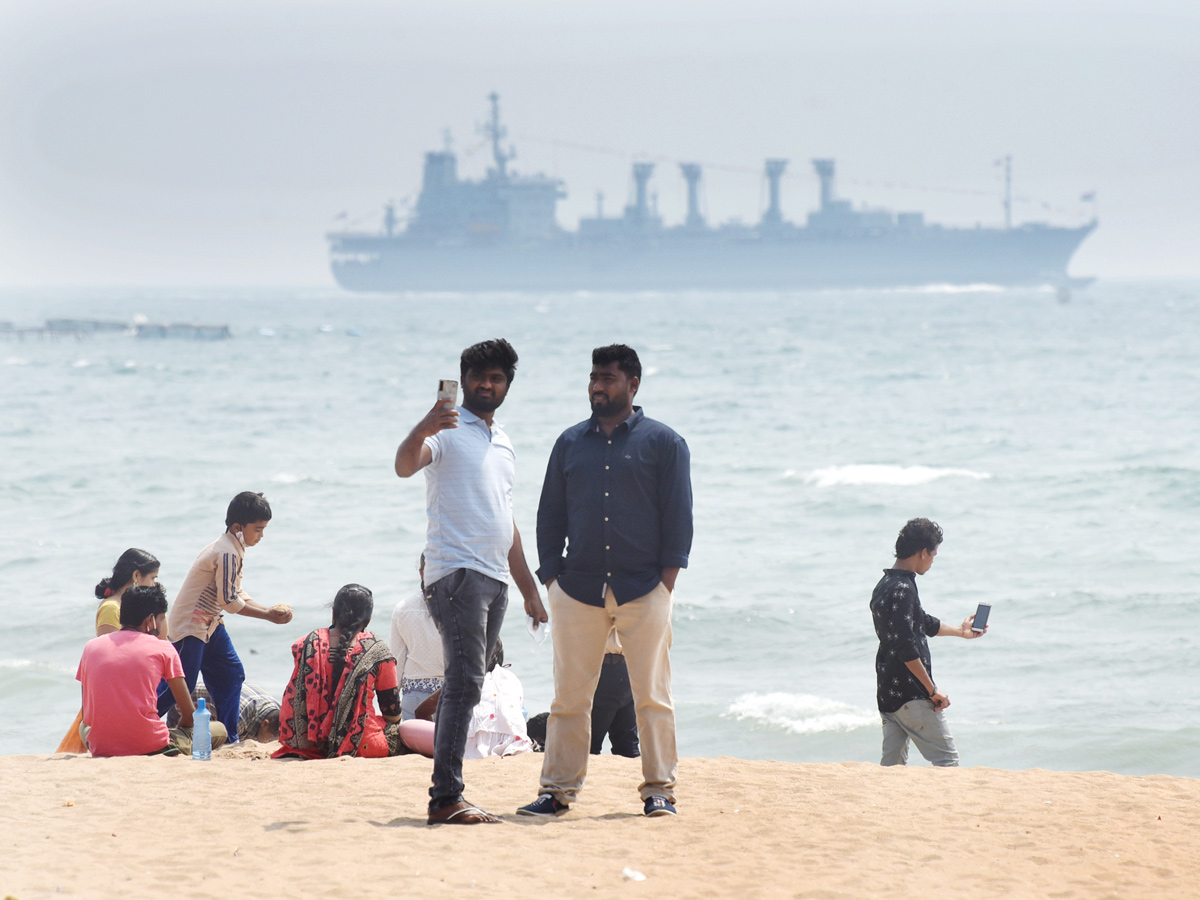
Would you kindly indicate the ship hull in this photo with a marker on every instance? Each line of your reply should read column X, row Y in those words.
column 1021, row 256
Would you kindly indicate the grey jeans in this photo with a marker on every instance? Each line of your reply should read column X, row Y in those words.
column 925, row 726
column 468, row 608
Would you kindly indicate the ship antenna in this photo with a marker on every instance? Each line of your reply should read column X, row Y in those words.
column 497, row 132
column 1007, row 191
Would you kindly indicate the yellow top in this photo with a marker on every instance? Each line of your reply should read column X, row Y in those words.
column 109, row 612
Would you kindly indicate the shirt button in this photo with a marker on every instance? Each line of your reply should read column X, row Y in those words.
column 606, row 547
column 610, row 442
column 606, row 518
column 606, row 493
column 610, row 574
column 606, row 467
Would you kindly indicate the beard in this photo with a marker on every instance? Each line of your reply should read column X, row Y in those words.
column 482, row 404
column 603, row 407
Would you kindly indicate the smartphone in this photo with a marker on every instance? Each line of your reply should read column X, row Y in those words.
column 981, row 617
column 448, row 392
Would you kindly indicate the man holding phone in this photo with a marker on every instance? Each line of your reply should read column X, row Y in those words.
column 472, row 546
column 910, row 703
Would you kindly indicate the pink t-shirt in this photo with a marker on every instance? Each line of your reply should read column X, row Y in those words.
column 120, row 673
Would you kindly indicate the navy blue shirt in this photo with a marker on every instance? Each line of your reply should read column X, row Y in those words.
column 903, row 627
column 621, row 504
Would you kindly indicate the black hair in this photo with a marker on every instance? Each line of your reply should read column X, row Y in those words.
column 139, row 602
column 272, row 719
column 626, row 359
column 497, row 657
column 482, row 356
column 917, row 535
column 132, row 560
column 247, row 507
column 352, row 608
column 536, row 728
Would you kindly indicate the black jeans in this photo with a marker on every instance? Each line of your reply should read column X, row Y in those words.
column 613, row 710
column 468, row 608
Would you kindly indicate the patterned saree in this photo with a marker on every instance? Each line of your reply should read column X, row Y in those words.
column 322, row 720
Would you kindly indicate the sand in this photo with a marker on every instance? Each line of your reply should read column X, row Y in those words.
column 244, row 826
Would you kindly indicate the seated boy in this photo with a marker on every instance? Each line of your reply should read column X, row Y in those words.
column 120, row 673
column 258, row 718
column 212, row 588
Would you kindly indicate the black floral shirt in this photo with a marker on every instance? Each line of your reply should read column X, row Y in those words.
column 902, row 627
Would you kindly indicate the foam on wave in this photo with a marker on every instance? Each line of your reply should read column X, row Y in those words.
column 901, row 476
column 800, row 713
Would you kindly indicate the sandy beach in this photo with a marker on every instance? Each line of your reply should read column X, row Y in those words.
column 245, row 826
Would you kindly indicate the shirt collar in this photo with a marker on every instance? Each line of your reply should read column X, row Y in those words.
column 634, row 417
column 469, row 418
column 239, row 542
column 902, row 573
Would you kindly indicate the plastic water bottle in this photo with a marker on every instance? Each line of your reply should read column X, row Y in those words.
column 202, row 732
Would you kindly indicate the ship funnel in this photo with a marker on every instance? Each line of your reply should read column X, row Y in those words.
column 825, row 169
column 691, row 174
column 774, row 171
column 641, row 177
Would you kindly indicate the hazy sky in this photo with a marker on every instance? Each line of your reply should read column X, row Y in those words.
column 180, row 142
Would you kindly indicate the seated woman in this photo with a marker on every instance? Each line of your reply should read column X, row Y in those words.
column 120, row 672
column 329, row 703
column 133, row 568
column 497, row 725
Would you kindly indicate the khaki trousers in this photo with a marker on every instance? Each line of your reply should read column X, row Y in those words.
column 580, row 634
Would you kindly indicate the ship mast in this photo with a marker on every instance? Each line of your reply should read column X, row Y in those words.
column 1008, row 192
column 496, row 133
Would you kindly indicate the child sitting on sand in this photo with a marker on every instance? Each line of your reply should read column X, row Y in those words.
column 120, row 673
column 212, row 588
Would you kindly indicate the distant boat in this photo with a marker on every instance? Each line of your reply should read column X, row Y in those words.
column 500, row 233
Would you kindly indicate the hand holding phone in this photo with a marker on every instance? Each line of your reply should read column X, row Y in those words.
column 979, row 623
column 447, row 393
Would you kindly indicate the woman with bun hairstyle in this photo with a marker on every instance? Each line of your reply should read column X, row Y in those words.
column 134, row 568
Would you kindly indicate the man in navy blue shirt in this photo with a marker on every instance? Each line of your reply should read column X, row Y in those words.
column 618, row 497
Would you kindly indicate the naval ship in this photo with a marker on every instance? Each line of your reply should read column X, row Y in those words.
column 500, row 233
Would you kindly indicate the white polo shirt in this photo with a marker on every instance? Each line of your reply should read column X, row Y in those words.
column 468, row 497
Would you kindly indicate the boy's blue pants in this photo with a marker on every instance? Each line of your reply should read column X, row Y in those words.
column 223, row 675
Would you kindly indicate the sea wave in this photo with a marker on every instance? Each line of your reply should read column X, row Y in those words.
column 33, row 665
column 289, row 478
column 800, row 713
column 978, row 288
column 902, row 476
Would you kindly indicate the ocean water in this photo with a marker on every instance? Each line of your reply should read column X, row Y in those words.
column 1055, row 442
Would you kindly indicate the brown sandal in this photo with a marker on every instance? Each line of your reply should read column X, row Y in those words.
column 461, row 813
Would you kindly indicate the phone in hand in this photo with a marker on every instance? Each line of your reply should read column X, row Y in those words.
column 447, row 393
column 981, row 617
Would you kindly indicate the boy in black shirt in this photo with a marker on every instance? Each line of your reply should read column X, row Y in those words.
column 909, row 702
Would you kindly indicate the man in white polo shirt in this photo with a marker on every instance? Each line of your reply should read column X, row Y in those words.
column 472, row 545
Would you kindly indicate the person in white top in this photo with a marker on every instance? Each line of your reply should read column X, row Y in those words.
column 417, row 646
column 472, row 545
column 498, row 721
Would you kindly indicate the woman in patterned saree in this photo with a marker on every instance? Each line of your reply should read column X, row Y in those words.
column 329, row 704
